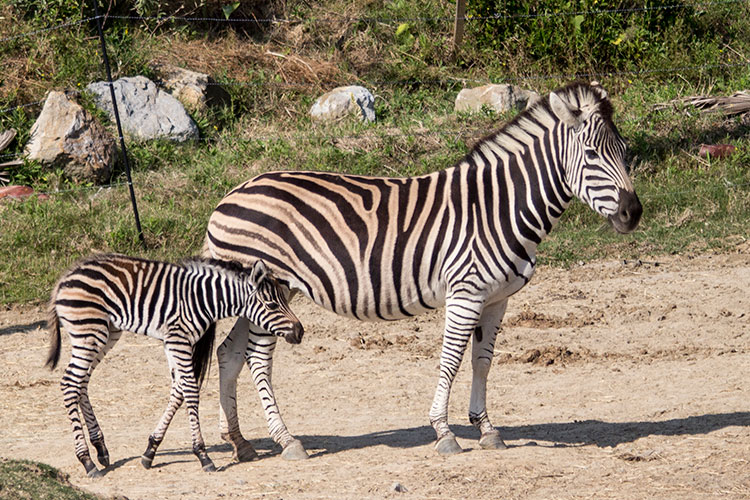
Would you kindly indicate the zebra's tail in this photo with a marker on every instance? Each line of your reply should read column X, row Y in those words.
column 202, row 354
column 53, row 325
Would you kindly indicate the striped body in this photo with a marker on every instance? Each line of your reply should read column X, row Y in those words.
column 466, row 237
column 177, row 303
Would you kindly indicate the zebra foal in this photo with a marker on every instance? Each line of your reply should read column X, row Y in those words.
column 177, row 303
column 466, row 237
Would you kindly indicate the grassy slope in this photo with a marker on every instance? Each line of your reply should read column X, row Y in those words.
column 691, row 204
column 22, row 479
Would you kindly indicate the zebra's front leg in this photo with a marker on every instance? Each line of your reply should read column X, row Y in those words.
column 231, row 356
column 156, row 437
column 259, row 356
column 461, row 317
column 179, row 353
column 483, row 347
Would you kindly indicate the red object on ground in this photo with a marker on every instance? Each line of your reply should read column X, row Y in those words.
column 715, row 150
column 19, row 192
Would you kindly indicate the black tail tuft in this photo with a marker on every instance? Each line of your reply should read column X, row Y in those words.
column 53, row 325
column 202, row 354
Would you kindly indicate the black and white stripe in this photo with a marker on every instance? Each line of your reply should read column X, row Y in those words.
column 179, row 304
column 388, row 248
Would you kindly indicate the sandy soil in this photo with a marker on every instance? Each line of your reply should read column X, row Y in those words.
column 611, row 380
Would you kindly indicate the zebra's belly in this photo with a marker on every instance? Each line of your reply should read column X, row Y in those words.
column 388, row 307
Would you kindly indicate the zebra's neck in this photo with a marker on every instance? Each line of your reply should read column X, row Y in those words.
column 520, row 182
column 219, row 294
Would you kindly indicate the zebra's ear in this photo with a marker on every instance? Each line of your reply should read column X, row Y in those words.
column 258, row 273
column 564, row 111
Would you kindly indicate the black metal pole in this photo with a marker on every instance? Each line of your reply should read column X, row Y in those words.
column 119, row 126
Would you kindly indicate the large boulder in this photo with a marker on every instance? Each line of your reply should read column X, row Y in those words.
column 498, row 97
column 194, row 90
column 342, row 101
column 146, row 112
column 67, row 136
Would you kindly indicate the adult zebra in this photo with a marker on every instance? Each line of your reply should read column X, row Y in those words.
column 388, row 248
column 178, row 303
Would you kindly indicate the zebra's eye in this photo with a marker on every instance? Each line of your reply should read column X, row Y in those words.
column 272, row 306
column 591, row 155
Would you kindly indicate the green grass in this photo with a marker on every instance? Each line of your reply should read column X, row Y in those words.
column 690, row 204
column 26, row 480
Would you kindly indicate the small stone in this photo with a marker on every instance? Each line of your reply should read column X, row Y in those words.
column 499, row 98
column 398, row 487
column 342, row 101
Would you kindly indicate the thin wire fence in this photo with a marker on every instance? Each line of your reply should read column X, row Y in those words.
column 451, row 83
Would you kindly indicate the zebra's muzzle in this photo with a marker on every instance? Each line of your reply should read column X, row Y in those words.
column 628, row 214
column 295, row 337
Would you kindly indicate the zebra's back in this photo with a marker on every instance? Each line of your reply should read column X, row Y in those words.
column 366, row 247
column 131, row 294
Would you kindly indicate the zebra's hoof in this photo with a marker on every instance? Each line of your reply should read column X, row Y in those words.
column 94, row 473
column 146, row 462
column 492, row 441
column 294, row 451
column 245, row 452
column 103, row 460
column 447, row 445
column 209, row 467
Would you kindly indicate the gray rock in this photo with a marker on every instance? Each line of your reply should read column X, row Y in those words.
column 146, row 112
column 194, row 90
column 67, row 136
column 342, row 101
column 499, row 98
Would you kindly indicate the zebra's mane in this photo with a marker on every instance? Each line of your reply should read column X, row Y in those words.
column 225, row 266
column 580, row 94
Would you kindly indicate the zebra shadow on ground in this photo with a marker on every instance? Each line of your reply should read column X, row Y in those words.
column 566, row 434
column 10, row 330
column 557, row 435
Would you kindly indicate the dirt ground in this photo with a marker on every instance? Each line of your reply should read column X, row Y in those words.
column 611, row 380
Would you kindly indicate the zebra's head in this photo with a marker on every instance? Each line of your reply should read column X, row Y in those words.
column 267, row 305
column 595, row 154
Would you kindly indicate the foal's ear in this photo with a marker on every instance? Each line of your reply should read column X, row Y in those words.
column 564, row 111
column 258, row 273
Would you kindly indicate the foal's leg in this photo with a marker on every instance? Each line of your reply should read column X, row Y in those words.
column 86, row 346
column 95, row 433
column 462, row 313
column 259, row 355
column 231, row 357
column 482, row 353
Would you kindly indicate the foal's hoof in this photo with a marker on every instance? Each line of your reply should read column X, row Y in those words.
column 146, row 462
column 103, row 460
column 294, row 451
column 447, row 445
column 209, row 467
column 492, row 441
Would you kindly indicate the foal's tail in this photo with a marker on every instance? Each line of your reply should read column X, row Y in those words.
column 53, row 325
column 202, row 354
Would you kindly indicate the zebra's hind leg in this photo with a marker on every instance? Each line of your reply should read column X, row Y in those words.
column 85, row 349
column 483, row 347
column 95, row 433
column 259, row 355
column 231, row 357
column 461, row 317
